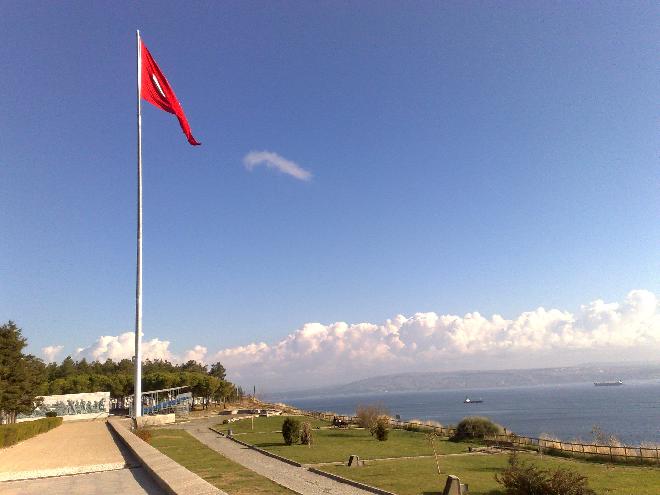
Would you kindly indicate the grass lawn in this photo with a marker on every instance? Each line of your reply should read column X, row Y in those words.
column 212, row 466
column 271, row 424
column 338, row 444
column 419, row 476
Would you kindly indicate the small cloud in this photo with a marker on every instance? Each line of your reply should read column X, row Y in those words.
column 273, row 160
column 50, row 353
column 197, row 353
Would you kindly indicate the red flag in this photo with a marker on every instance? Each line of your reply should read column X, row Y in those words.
column 157, row 91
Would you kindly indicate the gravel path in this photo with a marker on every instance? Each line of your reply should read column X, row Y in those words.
column 298, row 479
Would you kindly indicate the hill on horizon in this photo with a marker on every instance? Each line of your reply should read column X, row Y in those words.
column 475, row 379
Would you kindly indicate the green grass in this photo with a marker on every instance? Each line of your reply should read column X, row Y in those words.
column 419, row 476
column 338, row 444
column 212, row 466
column 271, row 424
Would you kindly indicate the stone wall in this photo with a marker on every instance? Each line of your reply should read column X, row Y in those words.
column 72, row 407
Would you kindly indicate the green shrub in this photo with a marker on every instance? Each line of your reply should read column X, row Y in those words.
column 475, row 427
column 17, row 432
column 306, row 437
column 381, row 430
column 521, row 478
column 51, row 414
column 291, row 431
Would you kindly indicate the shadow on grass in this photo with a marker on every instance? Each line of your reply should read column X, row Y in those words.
column 344, row 435
column 269, row 444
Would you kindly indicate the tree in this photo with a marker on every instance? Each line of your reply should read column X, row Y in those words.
column 218, row 370
column 194, row 367
column 67, row 368
column 306, row 436
column 367, row 415
column 21, row 375
column 381, row 429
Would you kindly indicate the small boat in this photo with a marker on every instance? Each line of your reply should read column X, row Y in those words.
column 472, row 401
column 608, row 384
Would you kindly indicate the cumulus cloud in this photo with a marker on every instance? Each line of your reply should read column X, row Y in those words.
column 197, row 353
column 339, row 352
column 118, row 347
column 273, row 160
column 122, row 346
column 318, row 354
column 51, row 352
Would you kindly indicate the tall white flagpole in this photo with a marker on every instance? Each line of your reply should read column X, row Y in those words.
column 137, row 398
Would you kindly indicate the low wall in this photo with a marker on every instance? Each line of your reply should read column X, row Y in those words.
column 171, row 476
column 71, row 407
column 156, row 420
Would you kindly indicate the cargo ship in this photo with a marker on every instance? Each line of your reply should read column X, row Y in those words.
column 608, row 384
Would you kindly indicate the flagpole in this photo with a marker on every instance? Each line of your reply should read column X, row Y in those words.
column 137, row 398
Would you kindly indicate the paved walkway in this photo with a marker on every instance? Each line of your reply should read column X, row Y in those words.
column 300, row 480
column 76, row 458
column 121, row 481
column 74, row 447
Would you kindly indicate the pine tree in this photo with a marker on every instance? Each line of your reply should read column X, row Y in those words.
column 22, row 376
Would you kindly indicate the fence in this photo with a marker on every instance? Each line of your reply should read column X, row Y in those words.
column 613, row 453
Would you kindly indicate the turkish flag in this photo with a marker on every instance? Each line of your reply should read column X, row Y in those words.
column 157, row 91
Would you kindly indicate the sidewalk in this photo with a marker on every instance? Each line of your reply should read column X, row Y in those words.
column 298, row 479
column 72, row 448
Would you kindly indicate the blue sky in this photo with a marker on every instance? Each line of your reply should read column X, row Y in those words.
column 465, row 156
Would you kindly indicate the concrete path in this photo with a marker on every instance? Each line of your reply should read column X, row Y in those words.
column 72, row 448
column 300, row 480
column 76, row 458
column 122, row 481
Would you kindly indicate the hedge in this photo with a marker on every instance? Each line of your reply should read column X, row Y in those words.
column 17, row 432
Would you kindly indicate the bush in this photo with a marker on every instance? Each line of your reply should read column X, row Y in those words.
column 17, row 432
column 381, row 429
column 143, row 433
column 291, row 431
column 521, row 478
column 51, row 414
column 306, row 437
column 367, row 415
column 475, row 427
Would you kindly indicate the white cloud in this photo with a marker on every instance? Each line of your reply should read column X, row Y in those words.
column 318, row 354
column 117, row 347
column 50, row 352
column 273, row 160
column 197, row 353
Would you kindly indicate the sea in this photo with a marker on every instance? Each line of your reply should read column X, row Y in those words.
column 630, row 412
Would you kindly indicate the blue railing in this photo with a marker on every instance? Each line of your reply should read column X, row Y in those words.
column 166, row 404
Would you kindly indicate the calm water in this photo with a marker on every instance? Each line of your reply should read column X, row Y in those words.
column 631, row 412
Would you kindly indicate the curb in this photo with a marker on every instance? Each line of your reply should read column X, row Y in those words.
column 261, row 451
column 356, row 484
column 168, row 474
